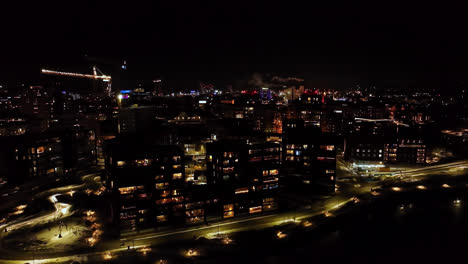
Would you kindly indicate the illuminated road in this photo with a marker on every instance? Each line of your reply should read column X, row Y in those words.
column 427, row 171
column 61, row 209
column 236, row 225
column 345, row 195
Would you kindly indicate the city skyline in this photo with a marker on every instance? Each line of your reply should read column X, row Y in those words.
column 331, row 47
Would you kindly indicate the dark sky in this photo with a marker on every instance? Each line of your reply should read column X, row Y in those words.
column 331, row 46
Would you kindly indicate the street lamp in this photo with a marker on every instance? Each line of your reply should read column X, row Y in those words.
column 61, row 224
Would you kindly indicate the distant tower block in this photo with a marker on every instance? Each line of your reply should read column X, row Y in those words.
column 157, row 87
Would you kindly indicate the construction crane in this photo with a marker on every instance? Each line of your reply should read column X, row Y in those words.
column 97, row 75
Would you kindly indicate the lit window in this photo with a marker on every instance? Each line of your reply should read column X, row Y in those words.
column 274, row 172
column 143, row 162
column 177, row 176
column 228, row 214
column 163, row 201
column 127, row 190
column 162, row 185
column 268, row 204
column 161, row 218
column 256, row 209
column 327, row 147
column 228, row 169
column 228, row 207
column 241, row 190
column 120, row 163
column 178, row 199
column 194, row 215
column 228, row 210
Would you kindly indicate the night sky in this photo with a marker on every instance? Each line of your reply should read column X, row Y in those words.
column 330, row 46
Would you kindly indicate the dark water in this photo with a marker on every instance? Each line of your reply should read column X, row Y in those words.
column 409, row 228
column 419, row 227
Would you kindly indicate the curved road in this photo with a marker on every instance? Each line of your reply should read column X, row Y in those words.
column 61, row 209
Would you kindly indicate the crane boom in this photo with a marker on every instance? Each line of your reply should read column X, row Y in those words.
column 95, row 76
column 103, row 77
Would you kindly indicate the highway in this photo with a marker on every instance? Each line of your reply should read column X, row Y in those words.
column 346, row 194
column 427, row 171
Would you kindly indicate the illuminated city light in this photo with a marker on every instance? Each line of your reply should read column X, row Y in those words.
column 21, row 207
column 17, row 212
column 227, row 241
column 396, row 189
column 445, row 185
column 64, row 210
column 91, row 241
column 280, row 235
column 307, row 224
column 289, row 220
column 192, row 253
column 107, row 256
column 421, row 187
column 90, row 213
column 144, row 250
